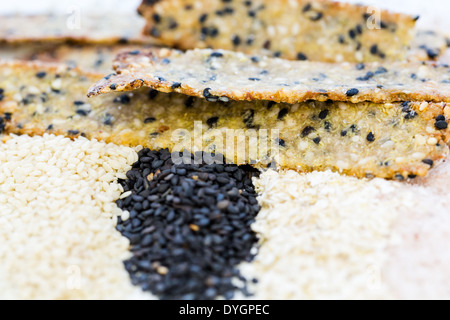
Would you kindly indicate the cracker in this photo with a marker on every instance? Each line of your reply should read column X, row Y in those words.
column 93, row 58
column 223, row 75
column 74, row 28
column 300, row 29
column 427, row 45
column 398, row 140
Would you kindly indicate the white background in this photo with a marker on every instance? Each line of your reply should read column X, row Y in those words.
column 434, row 13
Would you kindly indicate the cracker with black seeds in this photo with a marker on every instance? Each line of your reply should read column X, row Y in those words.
column 293, row 29
column 397, row 140
column 427, row 45
column 223, row 75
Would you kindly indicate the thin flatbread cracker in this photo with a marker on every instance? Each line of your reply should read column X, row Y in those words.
column 397, row 140
column 292, row 29
column 223, row 75
column 92, row 58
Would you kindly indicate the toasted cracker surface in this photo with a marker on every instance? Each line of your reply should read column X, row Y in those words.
column 293, row 29
column 222, row 75
column 397, row 140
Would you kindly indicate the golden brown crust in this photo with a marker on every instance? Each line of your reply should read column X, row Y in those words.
column 223, row 75
column 316, row 30
column 365, row 139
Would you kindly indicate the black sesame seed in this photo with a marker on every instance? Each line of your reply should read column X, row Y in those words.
column 113, row 86
column 307, row 7
column 41, row 74
column 316, row 140
column 73, row 132
column 352, row 34
column 440, row 118
column 7, row 116
column 267, row 45
column 370, row 137
column 317, row 16
column 307, row 130
column 283, row 112
column 327, row 126
column 343, row 133
column 374, row 49
column 352, row 92
column 441, row 125
column 212, row 122
column 134, row 52
column 156, row 18
column 82, row 112
column 216, row 55
column 360, row 66
column 149, row 120
column 255, row 59
column 176, row 85
column 203, row 18
column 50, row 127
column 428, row 161
column 301, row 56
column 254, row 79
column 412, row 176
column 236, row 40
column 359, row 29
column 173, row 25
column 399, row 177
column 341, row 39
column 323, row 114
column 281, row 142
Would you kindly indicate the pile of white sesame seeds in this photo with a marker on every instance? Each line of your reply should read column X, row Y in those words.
column 58, row 217
column 328, row 236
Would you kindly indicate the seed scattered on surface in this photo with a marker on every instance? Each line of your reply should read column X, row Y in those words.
column 113, row 86
column 283, row 112
column 428, row 161
column 41, row 74
column 307, row 130
column 189, row 226
column 352, row 92
column 301, row 56
column 323, row 114
column 441, row 124
column 370, row 137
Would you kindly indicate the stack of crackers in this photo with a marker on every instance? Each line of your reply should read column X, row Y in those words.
column 306, row 85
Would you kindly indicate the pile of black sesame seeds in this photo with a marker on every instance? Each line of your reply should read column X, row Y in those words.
column 189, row 226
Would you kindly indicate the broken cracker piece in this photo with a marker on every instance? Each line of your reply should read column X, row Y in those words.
column 224, row 75
column 297, row 30
column 395, row 140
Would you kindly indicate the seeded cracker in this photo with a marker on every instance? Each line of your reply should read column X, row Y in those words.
column 223, row 75
column 385, row 140
column 300, row 29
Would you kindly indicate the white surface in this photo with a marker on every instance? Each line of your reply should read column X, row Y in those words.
column 433, row 13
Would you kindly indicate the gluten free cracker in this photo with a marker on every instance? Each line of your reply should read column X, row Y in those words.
column 393, row 140
column 219, row 75
column 292, row 29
